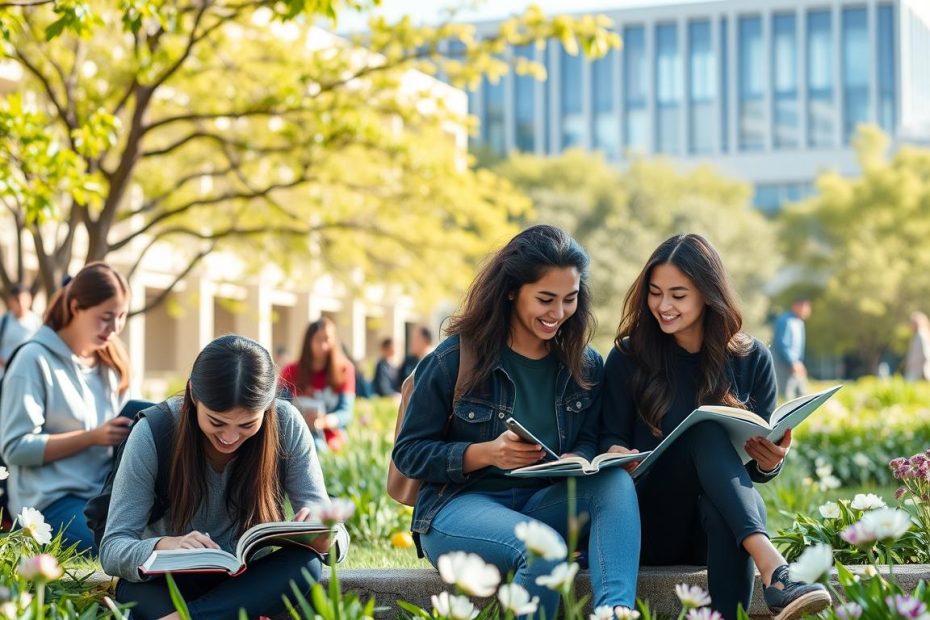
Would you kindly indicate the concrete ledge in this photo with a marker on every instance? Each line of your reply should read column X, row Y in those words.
column 656, row 584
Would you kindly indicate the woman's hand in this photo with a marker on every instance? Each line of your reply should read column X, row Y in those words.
column 112, row 432
column 615, row 449
column 320, row 543
column 193, row 540
column 767, row 455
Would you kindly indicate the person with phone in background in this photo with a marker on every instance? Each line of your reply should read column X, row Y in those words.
column 526, row 322
column 321, row 384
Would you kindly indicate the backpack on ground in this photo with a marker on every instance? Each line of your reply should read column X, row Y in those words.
column 400, row 487
column 7, row 518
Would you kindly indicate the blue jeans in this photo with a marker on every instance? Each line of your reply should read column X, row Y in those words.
column 66, row 514
column 483, row 523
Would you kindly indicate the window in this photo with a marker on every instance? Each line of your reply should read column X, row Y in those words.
column 700, row 87
column 724, row 85
column 856, row 70
column 819, row 79
column 635, row 66
column 493, row 128
column 606, row 130
column 784, row 82
column 668, row 89
column 524, row 91
column 886, row 68
column 572, row 121
column 751, row 89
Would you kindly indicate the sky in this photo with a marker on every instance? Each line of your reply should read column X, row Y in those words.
column 431, row 11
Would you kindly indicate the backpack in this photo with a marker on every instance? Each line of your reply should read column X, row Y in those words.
column 401, row 488
column 7, row 518
column 162, row 424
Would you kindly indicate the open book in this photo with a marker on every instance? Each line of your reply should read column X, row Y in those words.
column 741, row 425
column 279, row 533
column 576, row 465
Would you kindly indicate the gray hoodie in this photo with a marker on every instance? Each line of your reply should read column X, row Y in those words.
column 47, row 391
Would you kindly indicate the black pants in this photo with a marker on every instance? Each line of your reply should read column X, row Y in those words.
column 697, row 505
column 218, row 596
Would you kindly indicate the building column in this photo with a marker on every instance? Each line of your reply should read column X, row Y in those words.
column 134, row 335
column 356, row 339
column 195, row 330
column 255, row 322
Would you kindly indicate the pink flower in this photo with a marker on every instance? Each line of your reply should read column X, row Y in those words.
column 42, row 567
column 906, row 606
column 900, row 492
column 704, row 613
column 849, row 611
column 857, row 535
column 919, row 459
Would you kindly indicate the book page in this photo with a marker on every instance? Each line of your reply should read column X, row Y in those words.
column 733, row 412
column 618, row 458
column 169, row 560
column 796, row 411
column 300, row 532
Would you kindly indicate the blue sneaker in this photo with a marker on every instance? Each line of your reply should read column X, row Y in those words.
column 794, row 599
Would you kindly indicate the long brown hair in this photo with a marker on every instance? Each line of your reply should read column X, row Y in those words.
column 484, row 320
column 336, row 362
column 652, row 349
column 93, row 285
column 231, row 372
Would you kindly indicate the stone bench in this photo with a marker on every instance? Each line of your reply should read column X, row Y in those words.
column 656, row 584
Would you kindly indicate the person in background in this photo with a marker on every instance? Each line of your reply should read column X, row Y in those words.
column 421, row 343
column 321, row 383
column 384, row 382
column 917, row 362
column 788, row 349
column 19, row 322
column 61, row 398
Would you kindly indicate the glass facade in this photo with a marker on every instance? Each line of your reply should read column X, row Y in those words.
column 606, row 127
column 572, row 123
column 724, row 85
column 635, row 86
column 524, row 103
column 857, row 69
column 701, row 88
column 493, row 123
column 820, row 111
column 668, row 89
column 886, row 68
column 784, row 64
column 751, row 87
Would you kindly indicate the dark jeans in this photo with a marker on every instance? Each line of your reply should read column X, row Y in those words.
column 697, row 505
column 67, row 515
column 218, row 596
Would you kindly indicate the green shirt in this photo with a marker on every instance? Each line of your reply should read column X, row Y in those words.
column 533, row 407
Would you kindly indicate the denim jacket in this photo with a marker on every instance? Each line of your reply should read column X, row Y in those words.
column 431, row 446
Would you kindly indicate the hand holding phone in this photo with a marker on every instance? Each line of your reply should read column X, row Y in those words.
column 523, row 433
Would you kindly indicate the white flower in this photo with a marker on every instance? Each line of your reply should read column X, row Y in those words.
column 823, row 470
column 33, row 524
column 830, row 510
column 691, row 596
column 42, row 567
column 604, row 612
column 336, row 511
column 455, row 607
column 867, row 501
column 4, row 473
column 515, row 598
column 625, row 613
column 541, row 540
column 813, row 563
column 469, row 572
column 886, row 523
column 8, row 610
column 705, row 613
column 561, row 578
column 830, row 482
column 861, row 459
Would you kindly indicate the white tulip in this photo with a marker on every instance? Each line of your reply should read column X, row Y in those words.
column 830, row 510
column 561, row 577
column 33, row 524
column 692, row 597
column 455, row 607
column 469, row 572
column 604, row 612
column 813, row 563
column 516, row 599
column 867, row 501
column 886, row 523
column 541, row 540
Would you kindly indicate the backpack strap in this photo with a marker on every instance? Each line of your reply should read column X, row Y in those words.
column 162, row 424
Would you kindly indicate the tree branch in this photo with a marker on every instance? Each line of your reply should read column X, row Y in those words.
column 167, row 291
column 206, row 135
column 46, row 85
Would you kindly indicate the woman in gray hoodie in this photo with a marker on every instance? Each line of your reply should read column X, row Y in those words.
column 60, row 402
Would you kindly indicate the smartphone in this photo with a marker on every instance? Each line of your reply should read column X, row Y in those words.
column 521, row 431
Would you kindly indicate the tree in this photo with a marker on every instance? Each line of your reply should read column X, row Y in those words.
column 233, row 123
column 860, row 247
column 621, row 216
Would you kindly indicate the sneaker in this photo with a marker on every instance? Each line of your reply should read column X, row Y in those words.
column 794, row 599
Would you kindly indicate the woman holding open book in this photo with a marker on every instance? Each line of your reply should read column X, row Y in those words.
column 521, row 343
column 235, row 451
column 679, row 345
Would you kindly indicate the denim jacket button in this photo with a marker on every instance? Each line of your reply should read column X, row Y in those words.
column 471, row 415
column 578, row 405
column 500, row 414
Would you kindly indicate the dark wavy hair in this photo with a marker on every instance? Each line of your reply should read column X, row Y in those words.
column 337, row 363
column 485, row 316
column 231, row 372
column 640, row 336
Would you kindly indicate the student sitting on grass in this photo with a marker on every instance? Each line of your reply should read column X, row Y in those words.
column 231, row 442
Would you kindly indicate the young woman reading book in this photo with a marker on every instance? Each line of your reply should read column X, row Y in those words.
column 526, row 322
column 230, row 439
column 679, row 345
column 62, row 394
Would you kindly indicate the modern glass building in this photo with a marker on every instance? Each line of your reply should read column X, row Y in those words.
column 771, row 91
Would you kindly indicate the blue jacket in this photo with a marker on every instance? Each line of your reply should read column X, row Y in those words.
column 788, row 338
column 431, row 447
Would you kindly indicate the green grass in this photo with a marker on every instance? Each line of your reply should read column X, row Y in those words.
column 365, row 555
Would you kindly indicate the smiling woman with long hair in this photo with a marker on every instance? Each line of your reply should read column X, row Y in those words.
column 679, row 346
column 522, row 336
column 61, row 397
column 236, row 451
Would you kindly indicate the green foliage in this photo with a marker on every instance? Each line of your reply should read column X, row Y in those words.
column 621, row 216
column 876, row 598
column 860, row 246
